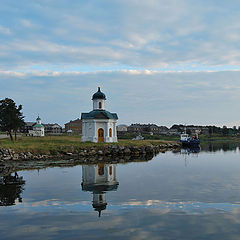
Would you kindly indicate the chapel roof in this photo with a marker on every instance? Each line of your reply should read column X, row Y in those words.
column 100, row 188
column 99, row 95
column 38, row 126
column 99, row 114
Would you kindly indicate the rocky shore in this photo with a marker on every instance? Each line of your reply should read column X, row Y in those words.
column 109, row 153
column 108, row 150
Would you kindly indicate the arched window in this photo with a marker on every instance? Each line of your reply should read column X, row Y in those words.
column 110, row 170
column 110, row 132
column 99, row 105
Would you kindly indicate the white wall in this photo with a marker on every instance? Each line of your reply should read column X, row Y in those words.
column 96, row 104
column 90, row 129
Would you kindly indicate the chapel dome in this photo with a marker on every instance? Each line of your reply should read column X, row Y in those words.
column 99, row 95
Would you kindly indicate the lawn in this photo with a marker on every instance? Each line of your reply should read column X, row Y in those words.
column 51, row 144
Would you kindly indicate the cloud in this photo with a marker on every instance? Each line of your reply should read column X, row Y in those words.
column 166, row 97
column 151, row 34
column 4, row 30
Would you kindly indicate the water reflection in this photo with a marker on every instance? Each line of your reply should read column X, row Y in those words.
column 220, row 146
column 99, row 179
column 190, row 150
column 11, row 188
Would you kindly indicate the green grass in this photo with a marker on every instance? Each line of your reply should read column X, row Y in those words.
column 219, row 138
column 54, row 144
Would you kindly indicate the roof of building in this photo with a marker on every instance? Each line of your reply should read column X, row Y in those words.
column 74, row 121
column 99, row 114
column 99, row 95
column 38, row 126
column 100, row 188
column 38, row 118
column 51, row 125
column 29, row 124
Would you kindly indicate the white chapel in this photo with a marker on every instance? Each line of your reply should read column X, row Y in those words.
column 99, row 125
column 38, row 129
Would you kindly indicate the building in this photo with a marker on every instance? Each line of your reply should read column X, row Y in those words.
column 135, row 127
column 122, row 128
column 99, row 179
column 28, row 126
column 52, row 129
column 49, row 128
column 99, row 125
column 74, row 126
column 38, row 129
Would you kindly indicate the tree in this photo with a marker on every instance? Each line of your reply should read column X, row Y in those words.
column 11, row 118
column 225, row 131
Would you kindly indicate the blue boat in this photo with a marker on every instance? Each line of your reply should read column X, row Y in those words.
column 188, row 141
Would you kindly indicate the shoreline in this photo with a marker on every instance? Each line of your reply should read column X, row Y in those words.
column 9, row 159
column 114, row 150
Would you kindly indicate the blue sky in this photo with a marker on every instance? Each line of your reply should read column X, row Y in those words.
column 158, row 61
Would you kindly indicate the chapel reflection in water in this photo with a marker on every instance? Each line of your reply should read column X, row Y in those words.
column 11, row 187
column 99, row 179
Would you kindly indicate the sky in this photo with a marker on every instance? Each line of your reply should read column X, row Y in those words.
column 158, row 61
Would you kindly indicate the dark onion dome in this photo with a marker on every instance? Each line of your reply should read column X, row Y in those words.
column 99, row 95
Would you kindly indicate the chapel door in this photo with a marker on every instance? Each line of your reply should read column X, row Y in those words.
column 100, row 135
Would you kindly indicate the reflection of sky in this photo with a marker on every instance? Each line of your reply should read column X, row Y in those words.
column 206, row 189
column 207, row 178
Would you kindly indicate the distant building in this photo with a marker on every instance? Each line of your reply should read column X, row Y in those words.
column 163, row 130
column 38, row 129
column 49, row 128
column 122, row 128
column 151, row 129
column 173, row 131
column 136, row 127
column 28, row 126
column 99, row 125
column 74, row 126
column 53, row 129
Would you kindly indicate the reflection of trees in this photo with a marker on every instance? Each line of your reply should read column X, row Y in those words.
column 11, row 187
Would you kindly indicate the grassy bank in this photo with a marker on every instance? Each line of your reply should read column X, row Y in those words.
column 218, row 138
column 51, row 144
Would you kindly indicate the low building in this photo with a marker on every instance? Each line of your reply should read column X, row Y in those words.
column 122, row 128
column 38, row 129
column 28, row 126
column 74, row 126
column 135, row 127
column 52, row 128
column 49, row 128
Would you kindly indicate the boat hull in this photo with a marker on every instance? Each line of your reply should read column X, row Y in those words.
column 190, row 143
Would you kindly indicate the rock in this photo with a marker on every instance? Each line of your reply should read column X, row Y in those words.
column 127, row 151
column 100, row 152
column 16, row 155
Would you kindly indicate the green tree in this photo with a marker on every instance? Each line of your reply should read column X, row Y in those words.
column 11, row 118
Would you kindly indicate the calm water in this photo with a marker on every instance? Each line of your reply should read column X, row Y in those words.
column 173, row 196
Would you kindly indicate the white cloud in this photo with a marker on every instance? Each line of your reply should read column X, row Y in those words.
column 5, row 31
